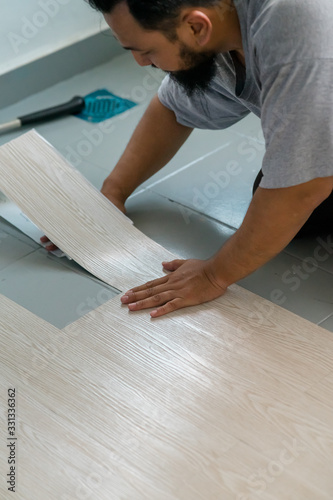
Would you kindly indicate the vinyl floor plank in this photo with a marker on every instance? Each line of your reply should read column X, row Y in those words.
column 194, row 405
column 73, row 211
column 109, row 390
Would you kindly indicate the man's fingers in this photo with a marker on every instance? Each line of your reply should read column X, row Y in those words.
column 149, row 289
column 143, row 291
column 141, row 300
column 51, row 247
column 173, row 265
column 191, row 284
column 171, row 306
column 165, row 299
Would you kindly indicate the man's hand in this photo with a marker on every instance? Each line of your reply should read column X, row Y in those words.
column 51, row 247
column 191, row 282
column 272, row 220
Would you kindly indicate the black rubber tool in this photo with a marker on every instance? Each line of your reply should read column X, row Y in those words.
column 72, row 107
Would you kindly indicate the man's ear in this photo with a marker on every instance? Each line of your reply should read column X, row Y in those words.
column 197, row 27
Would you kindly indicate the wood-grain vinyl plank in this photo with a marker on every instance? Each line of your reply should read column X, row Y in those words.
column 92, row 231
column 228, row 400
column 108, row 390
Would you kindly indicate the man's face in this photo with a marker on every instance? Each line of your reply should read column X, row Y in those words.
column 191, row 69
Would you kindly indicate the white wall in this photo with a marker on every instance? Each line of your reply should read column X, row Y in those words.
column 30, row 29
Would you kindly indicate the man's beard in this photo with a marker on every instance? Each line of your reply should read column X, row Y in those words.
column 202, row 69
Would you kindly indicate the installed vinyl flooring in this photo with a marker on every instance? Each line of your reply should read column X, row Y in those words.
column 190, row 207
column 229, row 400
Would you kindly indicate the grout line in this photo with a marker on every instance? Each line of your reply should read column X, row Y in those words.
column 17, row 234
column 291, row 254
column 323, row 320
column 181, row 169
column 202, row 214
column 18, row 260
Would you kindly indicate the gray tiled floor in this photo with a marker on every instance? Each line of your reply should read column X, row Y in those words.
column 51, row 290
column 283, row 280
column 181, row 226
column 191, row 206
column 12, row 248
column 219, row 186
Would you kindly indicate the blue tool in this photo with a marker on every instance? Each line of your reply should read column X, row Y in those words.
column 95, row 107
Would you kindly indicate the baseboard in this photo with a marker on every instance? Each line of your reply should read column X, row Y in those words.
column 61, row 65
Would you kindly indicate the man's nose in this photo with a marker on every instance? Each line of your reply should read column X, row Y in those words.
column 142, row 60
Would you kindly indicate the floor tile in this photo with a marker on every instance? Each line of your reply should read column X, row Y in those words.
column 200, row 145
column 11, row 248
column 316, row 250
column 102, row 144
column 249, row 127
column 17, row 234
column 327, row 323
column 182, row 231
column 50, row 290
column 307, row 291
column 219, row 186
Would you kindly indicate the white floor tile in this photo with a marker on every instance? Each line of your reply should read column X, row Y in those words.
column 11, row 248
column 307, row 292
column 317, row 251
column 219, row 186
column 250, row 127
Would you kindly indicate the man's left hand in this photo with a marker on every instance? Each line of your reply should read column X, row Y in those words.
column 190, row 282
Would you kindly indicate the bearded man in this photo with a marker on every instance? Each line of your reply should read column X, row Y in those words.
column 225, row 59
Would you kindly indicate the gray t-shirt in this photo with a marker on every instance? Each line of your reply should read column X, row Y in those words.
column 288, row 47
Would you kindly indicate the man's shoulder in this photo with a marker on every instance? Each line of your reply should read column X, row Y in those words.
column 261, row 10
column 289, row 30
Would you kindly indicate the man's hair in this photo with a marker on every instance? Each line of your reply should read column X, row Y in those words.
column 159, row 15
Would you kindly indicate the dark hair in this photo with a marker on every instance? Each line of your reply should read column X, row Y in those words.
column 154, row 14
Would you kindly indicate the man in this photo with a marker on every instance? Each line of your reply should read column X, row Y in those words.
column 224, row 59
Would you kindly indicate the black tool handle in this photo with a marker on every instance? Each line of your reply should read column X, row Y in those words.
column 72, row 107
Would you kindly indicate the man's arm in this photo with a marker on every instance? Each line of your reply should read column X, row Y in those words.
column 274, row 217
column 154, row 142
column 156, row 139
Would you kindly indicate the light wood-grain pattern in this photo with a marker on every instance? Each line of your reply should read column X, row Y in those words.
column 75, row 215
column 228, row 400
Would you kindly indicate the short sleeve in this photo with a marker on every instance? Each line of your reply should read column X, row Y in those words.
column 214, row 110
column 297, row 122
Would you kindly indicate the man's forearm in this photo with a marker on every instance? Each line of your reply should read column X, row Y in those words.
column 274, row 217
column 155, row 141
